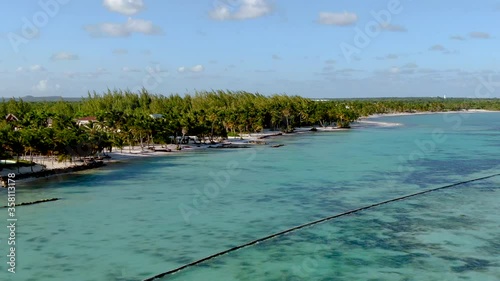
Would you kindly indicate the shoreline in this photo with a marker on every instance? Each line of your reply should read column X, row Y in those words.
column 428, row 113
column 49, row 173
column 126, row 154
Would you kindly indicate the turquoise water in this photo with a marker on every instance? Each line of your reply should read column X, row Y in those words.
column 132, row 221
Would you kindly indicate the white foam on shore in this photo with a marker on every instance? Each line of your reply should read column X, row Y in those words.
column 430, row 112
column 379, row 124
column 368, row 121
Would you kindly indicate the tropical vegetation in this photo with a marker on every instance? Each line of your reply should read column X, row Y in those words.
column 128, row 119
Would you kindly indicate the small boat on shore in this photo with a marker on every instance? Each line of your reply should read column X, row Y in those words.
column 162, row 150
column 259, row 142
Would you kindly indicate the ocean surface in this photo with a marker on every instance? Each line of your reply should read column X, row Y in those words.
column 134, row 220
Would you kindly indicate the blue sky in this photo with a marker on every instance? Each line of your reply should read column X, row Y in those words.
column 319, row 48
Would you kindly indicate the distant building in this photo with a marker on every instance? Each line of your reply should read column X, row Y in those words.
column 11, row 118
column 156, row 116
column 86, row 120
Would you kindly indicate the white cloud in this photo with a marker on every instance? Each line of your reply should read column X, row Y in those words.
column 276, row 57
column 437, row 47
column 457, row 37
column 120, row 51
column 42, row 86
column 196, row 68
column 407, row 71
column 130, row 69
column 479, row 35
column 388, row 57
column 394, row 70
column 410, row 65
column 247, row 9
column 442, row 49
column 71, row 74
column 33, row 68
column 155, row 70
column 98, row 73
column 328, row 69
column 123, row 29
column 339, row 19
column 393, row 28
column 64, row 56
column 221, row 13
column 78, row 74
column 125, row 7
column 37, row 68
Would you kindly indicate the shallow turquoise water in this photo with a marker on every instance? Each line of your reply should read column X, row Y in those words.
column 447, row 235
column 133, row 221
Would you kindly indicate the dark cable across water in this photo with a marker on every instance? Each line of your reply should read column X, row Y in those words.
column 170, row 272
column 33, row 203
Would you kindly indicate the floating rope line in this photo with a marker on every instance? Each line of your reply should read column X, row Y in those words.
column 170, row 272
column 34, row 202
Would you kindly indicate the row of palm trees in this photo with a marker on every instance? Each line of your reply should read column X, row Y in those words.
column 64, row 140
column 124, row 118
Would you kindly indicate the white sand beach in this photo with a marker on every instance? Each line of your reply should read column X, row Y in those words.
column 377, row 123
column 427, row 113
column 129, row 153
